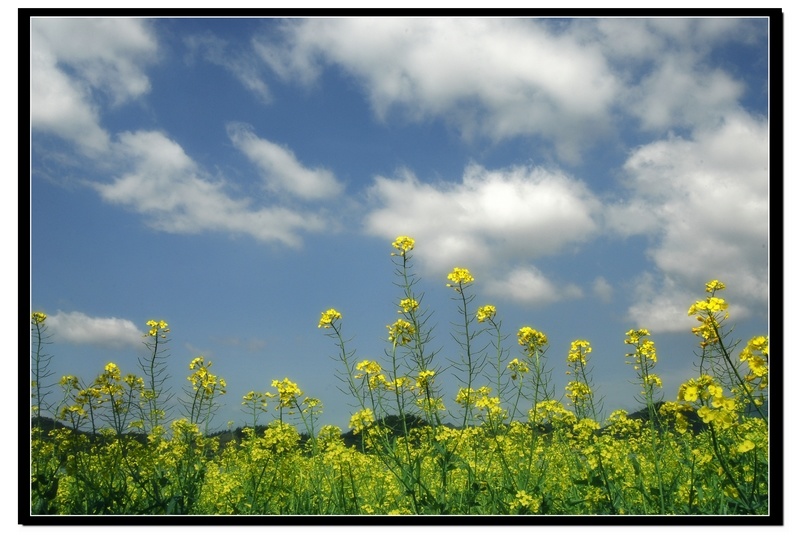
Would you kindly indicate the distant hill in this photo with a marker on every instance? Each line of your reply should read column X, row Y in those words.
column 392, row 422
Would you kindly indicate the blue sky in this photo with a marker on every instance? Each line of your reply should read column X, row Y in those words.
column 237, row 177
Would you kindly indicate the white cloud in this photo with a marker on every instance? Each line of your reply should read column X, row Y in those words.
column 488, row 222
column 79, row 328
column 105, row 53
column 527, row 285
column 165, row 184
column 709, row 202
column 564, row 82
column 681, row 94
column 496, row 77
column 74, row 59
column 280, row 169
column 60, row 106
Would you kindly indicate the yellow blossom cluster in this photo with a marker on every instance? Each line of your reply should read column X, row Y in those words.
column 288, row 392
column 578, row 351
column 204, row 381
column 408, row 305
column 710, row 313
column 373, row 372
column 403, row 244
column 517, row 368
column 756, row 355
column 460, row 277
column 486, row 313
column 532, row 341
column 361, row 420
column 716, row 407
column 645, row 349
column 400, row 332
column 327, row 318
column 157, row 328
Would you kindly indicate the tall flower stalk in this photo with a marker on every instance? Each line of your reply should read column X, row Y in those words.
column 40, row 364
column 155, row 395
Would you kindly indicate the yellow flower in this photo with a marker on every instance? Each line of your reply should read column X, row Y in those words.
column 578, row 391
column 404, row 244
column 38, row 318
column 634, row 335
column 400, row 331
column 578, row 351
column 424, row 379
column 644, row 348
column 517, row 368
column 288, row 392
column 688, row 393
column 525, row 502
column 361, row 420
column 486, row 312
column 756, row 353
column 327, row 318
column 460, row 277
column 532, row 340
column 654, row 380
column 714, row 285
column 745, row 446
column 157, row 327
column 408, row 305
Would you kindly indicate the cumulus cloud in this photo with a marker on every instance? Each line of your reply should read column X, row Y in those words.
column 563, row 82
column 79, row 328
column 527, row 285
column 487, row 222
column 62, row 107
column 166, row 185
column 73, row 60
column 709, row 201
column 280, row 169
column 679, row 93
column 494, row 77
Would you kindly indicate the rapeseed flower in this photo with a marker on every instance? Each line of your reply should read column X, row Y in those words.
column 653, row 379
column 460, row 277
column 526, row 503
column 518, row 368
column 424, row 379
column 327, row 318
column 645, row 349
column 408, row 305
column 577, row 391
column 532, row 340
column 157, row 327
column 373, row 372
column 361, row 420
column 400, row 331
column 756, row 354
column 288, row 392
column 403, row 244
column 745, row 446
column 430, row 404
column 37, row 318
column 714, row 285
column 578, row 351
column 486, row 313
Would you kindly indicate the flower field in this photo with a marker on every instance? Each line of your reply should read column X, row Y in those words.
column 514, row 450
